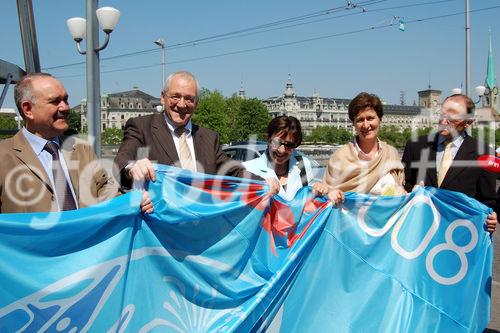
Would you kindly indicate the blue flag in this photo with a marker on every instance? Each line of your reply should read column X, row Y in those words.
column 218, row 255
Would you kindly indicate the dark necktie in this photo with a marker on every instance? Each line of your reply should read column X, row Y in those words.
column 63, row 192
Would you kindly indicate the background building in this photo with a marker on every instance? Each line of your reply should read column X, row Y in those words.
column 317, row 111
column 119, row 107
column 312, row 111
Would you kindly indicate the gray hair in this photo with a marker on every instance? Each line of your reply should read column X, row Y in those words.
column 184, row 74
column 24, row 90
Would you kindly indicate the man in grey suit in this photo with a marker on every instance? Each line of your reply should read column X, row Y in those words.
column 171, row 138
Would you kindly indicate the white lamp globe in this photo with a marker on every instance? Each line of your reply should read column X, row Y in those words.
column 77, row 27
column 108, row 18
column 480, row 90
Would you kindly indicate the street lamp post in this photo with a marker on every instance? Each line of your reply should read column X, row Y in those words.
column 467, row 49
column 107, row 17
column 161, row 43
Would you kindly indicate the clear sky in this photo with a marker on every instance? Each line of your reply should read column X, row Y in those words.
column 334, row 53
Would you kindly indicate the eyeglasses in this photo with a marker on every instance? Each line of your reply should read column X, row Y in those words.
column 275, row 143
column 454, row 119
column 187, row 99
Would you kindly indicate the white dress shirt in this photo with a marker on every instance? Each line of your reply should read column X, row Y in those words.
column 455, row 146
column 189, row 138
column 261, row 166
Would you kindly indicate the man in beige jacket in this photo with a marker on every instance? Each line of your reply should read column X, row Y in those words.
column 41, row 169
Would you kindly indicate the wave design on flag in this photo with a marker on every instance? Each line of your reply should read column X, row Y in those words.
column 73, row 303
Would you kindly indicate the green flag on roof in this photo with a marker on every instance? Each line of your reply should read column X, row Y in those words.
column 490, row 71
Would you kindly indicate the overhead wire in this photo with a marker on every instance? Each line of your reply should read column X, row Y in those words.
column 250, row 31
column 316, row 21
column 294, row 42
column 224, row 36
column 239, row 33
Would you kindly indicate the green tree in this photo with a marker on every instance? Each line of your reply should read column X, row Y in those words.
column 391, row 134
column 212, row 113
column 424, row 131
column 112, row 136
column 8, row 126
column 233, row 108
column 484, row 135
column 330, row 135
column 8, row 123
column 250, row 118
column 74, row 121
column 321, row 134
column 235, row 119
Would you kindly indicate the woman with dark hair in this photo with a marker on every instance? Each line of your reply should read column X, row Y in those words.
column 281, row 161
column 366, row 164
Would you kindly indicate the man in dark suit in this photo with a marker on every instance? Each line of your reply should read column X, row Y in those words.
column 171, row 138
column 41, row 169
column 447, row 159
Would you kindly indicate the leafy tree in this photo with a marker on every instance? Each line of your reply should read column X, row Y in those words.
column 320, row 134
column 341, row 135
column 112, row 136
column 74, row 121
column 8, row 123
column 8, row 126
column 212, row 113
column 235, row 119
column 391, row 134
column 204, row 92
column 233, row 108
column 251, row 118
column 330, row 135
column 484, row 135
column 424, row 131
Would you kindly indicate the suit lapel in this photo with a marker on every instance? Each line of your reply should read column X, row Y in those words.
column 199, row 147
column 27, row 156
column 464, row 153
column 164, row 139
column 431, row 171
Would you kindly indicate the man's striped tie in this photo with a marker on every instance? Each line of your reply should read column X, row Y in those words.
column 187, row 161
column 63, row 192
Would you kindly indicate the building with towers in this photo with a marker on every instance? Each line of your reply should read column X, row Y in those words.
column 315, row 111
column 119, row 107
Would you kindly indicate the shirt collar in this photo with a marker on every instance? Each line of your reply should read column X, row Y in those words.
column 172, row 127
column 361, row 154
column 456, row 141
column 36, row 142
column 291, row 162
